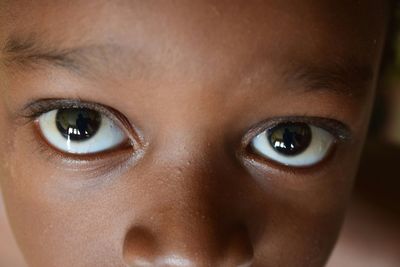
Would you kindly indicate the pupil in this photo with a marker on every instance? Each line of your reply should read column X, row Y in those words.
column 78, row 124
column 290, row 139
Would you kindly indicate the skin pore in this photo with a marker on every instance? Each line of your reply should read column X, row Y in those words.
column 191, row 83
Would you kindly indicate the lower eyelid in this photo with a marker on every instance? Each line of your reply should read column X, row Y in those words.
column 87, row 167
column 269, row 167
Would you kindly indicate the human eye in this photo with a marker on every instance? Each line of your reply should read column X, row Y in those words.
column 78, row 128
column 296, row 142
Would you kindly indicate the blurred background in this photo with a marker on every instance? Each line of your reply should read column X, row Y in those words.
column 371, row 233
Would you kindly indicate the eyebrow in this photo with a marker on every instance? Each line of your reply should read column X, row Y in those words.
column 350, row 78
column 30, row 52
column 26, row 52
column 347, row 78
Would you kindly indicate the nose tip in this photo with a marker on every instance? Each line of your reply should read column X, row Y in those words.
column 239, row 250
column 140, row 247
column 144, row 248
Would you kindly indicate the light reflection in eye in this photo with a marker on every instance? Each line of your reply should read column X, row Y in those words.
column 80, row 130
column 293, row 144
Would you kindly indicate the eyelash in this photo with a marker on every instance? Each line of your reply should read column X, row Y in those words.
column 340, row 132
column 35, row 109
column 338, row 129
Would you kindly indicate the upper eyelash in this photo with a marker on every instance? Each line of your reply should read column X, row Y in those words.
column 338, row 129
column 35, row 109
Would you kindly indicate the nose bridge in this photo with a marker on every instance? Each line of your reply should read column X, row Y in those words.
column 191, row 214
column 188, row 225
column 195, row 166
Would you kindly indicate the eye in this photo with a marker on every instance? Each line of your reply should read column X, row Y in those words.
column 80, row 131
column 293, row 144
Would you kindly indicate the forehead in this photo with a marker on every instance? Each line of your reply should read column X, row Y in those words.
column 207, row 40
column 203, row 23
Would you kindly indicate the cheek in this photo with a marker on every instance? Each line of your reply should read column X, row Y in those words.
column 55, row 229
column 303, row 213
column 303, row 225
column 46, row 226
column 55, row 225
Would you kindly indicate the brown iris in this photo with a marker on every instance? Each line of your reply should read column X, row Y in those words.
column 78, row 124
column 290, row 139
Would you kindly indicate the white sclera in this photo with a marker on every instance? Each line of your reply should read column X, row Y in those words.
column 108, row 136
column 319, row 147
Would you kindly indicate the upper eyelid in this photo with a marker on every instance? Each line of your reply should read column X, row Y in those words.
column 338, row 129
column 36, row 108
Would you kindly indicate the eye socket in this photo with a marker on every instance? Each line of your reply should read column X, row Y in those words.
column 80, row 131
column 294, row 144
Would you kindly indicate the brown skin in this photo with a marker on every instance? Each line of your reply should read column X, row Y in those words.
column 193, row 78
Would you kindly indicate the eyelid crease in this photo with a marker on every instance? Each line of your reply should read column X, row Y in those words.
column 35, row 108
column 339, row 130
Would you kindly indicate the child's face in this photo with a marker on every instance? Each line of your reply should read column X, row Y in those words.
column 247, row 117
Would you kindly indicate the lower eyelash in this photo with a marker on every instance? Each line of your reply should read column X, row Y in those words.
column 31, row 113
column 54, row 152
column 269, row 166
column 90, row 167
column 339, row 131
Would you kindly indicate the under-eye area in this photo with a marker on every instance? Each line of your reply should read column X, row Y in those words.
column 295, row 142
column 82, row 130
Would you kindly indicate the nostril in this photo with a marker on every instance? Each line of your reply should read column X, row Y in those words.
column 228, row 248
column 140, row 247
column 239, row 250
